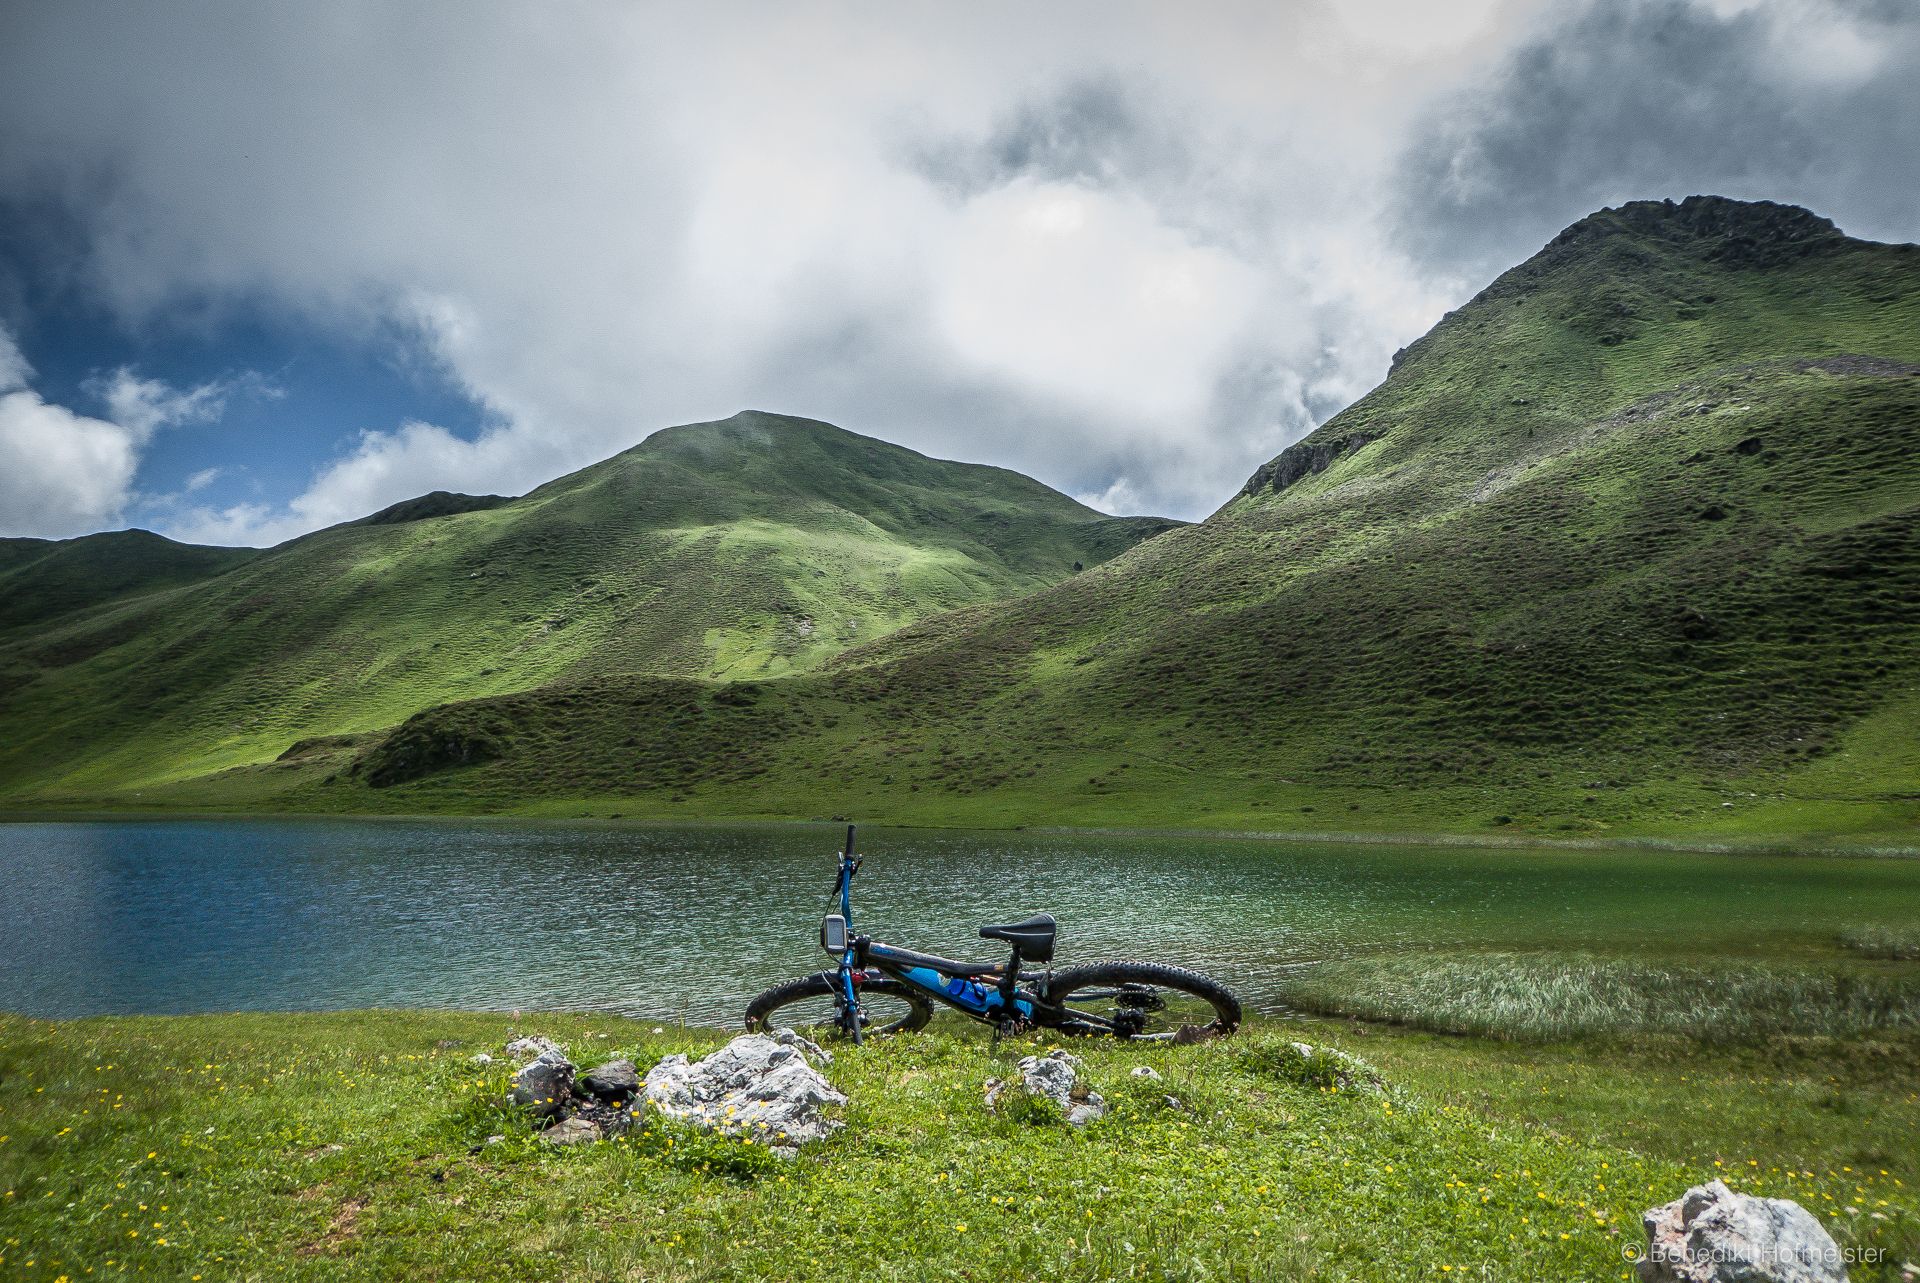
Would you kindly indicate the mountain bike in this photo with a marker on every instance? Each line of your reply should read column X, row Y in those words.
column 881, row 988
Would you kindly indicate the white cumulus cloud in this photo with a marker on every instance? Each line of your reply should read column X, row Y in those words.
column 1128, row 247
column 61, row 473
column 64, row 473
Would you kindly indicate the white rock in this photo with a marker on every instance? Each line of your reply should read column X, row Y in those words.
column 789, row 1038
column 1056, row 1076
column 1713, row 1235
column 482, row 1059
column 754, row 1086
column 1147, row 1072
column 531, row 1047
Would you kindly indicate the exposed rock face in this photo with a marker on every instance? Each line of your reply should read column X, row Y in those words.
column 1305, row 458
column 815, row 1052
column 545, row 1085
column 614, row 1082
column 1739, row 234
column 755, row 1086
column 1713, row 1235
column 1736, row 232
column 1055, row 1076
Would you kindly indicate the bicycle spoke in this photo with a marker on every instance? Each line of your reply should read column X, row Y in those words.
column 1150, row 1004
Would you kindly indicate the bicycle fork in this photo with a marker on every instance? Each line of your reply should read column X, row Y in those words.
column 849, row 1002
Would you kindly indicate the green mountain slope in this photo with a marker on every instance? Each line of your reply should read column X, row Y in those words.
column 747, row 548
column 1630, row 543
column 44, row 579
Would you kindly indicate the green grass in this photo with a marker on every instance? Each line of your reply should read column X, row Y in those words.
column 353, row 1145
column 1893, row 944
column 1546, row 997
column 1635, row 555
column 749, row 548
column 42, row 580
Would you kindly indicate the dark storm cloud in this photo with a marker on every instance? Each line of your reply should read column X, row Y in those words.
column 1807, row 103
column 1101, row 131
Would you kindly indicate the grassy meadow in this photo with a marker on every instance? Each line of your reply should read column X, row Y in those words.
column 355, row 1145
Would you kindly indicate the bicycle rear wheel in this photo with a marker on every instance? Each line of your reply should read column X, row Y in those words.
column 807, row 1006
column 1142, row 1002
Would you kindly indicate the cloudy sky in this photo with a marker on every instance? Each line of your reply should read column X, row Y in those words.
column 265, row 267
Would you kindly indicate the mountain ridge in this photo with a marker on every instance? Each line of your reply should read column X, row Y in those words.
column 1609, row 554
column 1627, row 545
column 742, row 547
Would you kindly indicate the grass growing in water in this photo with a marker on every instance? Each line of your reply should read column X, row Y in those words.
column 1558, row 996
column 1890, row 944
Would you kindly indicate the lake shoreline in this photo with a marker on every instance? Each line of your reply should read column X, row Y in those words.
column 1768, row 846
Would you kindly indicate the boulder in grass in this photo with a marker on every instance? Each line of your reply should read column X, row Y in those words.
column 615, row 1082
column 571, row 1131
column 1712, row 1235
column 815, row 1052
column 754, row 1086
column 1056, row 1077
column 545, row 1085
column 530, row 1047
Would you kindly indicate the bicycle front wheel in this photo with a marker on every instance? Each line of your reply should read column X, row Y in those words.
column 807, row 1006
column 1142, row 1002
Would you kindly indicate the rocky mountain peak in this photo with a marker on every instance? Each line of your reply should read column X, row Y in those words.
column 1739, row 233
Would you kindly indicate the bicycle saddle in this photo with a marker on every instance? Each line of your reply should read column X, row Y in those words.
column 1033, row 937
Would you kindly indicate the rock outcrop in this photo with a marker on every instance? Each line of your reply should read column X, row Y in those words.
column 546, row 1085
column 1055, row 1076
column 757, row 1086
column 1305, row 458
column 1713, row 1235
column 528, row 1047
column 615, row 1082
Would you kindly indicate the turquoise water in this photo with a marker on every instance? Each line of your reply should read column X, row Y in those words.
column 178, row 916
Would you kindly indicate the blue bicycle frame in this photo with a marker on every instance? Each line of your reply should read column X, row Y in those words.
column 945, row 980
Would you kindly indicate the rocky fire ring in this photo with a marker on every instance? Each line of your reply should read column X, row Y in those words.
column 763, row 1087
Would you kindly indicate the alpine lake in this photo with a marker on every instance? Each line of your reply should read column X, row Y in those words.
column 687, row 923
